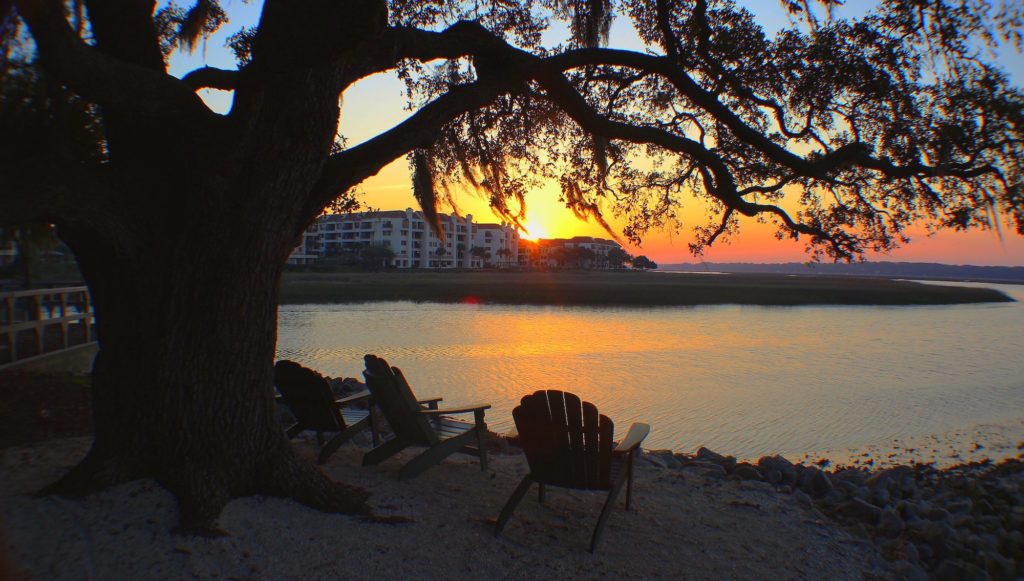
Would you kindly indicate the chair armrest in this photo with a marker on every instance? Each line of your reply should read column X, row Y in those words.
column 636, row 434
column 430, row 402
column 365, row 394
column 460, row 410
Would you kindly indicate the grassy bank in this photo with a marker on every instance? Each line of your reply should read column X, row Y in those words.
column 618, row 289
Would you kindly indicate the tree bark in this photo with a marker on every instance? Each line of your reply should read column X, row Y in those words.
column 182, row 383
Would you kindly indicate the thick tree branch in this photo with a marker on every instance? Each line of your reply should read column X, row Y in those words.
column 212, row 78
column 352, row 166
column 101, row 78
column 45, row 189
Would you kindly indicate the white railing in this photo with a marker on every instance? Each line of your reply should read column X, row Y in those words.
column 36, row 322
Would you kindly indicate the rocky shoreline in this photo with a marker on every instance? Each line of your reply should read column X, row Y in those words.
column 962, row 522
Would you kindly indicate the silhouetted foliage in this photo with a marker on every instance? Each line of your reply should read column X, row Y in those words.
column 643, row 263
column 618, row 257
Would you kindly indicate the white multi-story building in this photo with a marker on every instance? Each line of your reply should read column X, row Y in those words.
column 499, row 244
column 408, row 236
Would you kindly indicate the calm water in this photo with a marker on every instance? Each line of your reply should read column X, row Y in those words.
column 742, row 380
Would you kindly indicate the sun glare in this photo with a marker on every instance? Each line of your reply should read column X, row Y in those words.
column 533, row 232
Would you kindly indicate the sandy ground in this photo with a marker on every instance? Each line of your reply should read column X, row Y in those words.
column 685, row 524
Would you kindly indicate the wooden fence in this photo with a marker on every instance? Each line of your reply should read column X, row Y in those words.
column 38, row 322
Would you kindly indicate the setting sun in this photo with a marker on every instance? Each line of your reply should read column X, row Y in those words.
column 533, row 231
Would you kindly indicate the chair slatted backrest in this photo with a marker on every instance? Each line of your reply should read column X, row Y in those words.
column 567, row 443
column 308, row 395
column 391, row 392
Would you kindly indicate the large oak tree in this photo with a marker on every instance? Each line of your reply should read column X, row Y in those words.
column 841, row 132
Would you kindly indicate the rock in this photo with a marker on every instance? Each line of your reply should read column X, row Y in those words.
column 963, row 505
column 777, row 469
column 886, row 478
column 861, row 510
column 747, row 472
column 835, row 497
column 989, row 522
column 820, row 483
column 803, row 499
column 956, row 570
column 939, row 514
column 998, row 566
column 909, row 571
column 890, row 523
column 949, row 570
column 942, row 538
column 784, row 489
column 729, row 463
column 847, row 486
column 880, row 496
column 705, row 454
column 655, row 460
column 662, row 458
column 912, row 553
column 863, row 493
column 962, row 520
column 713, row 471
column 988, row 541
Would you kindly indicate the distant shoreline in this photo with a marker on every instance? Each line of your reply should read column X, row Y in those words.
column 620, row 289
column 892, row 270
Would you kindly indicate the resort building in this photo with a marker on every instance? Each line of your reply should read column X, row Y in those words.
column 405, row 240
column 498, row 244
column 576, row 252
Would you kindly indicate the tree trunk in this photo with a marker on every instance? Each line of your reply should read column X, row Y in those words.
column 183, row 379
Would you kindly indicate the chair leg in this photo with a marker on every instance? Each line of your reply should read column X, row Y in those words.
column 336, row 442
column 481, row 442
column 540, row 493
column 319, row 438
column 629, row 479
column 512, row 503
column 432, row 456
column 374, row 433
column 605, row 511
column 384, row 451
column 295, row 430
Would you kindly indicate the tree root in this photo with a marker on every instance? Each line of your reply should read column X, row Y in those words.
column 98, row 470
column 290, row 476
column 203, row 493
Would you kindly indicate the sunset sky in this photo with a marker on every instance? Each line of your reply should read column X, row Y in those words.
column 377, row 103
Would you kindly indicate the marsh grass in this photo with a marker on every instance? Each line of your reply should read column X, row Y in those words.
column 627, row 288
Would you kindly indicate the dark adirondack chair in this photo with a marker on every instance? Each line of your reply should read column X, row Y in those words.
column 568, row 444
column 311, row 401
column 420, row 423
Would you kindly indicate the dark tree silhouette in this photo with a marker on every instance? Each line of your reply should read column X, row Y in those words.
column 643, row 263
column 618, row 257
column 843, row 133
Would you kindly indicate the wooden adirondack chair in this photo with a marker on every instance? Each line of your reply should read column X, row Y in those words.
column 311, row 401
column 568, row 444
column 420, row 423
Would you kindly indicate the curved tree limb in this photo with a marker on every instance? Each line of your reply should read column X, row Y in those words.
column 212, row 78
column 99, row 77
column 44, row 189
